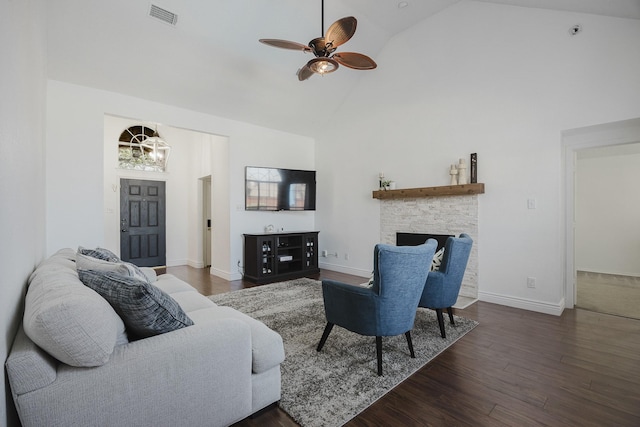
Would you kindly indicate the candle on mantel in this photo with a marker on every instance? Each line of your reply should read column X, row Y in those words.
column 454, row 175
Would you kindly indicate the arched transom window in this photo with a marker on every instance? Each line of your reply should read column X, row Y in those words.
column 142, row 148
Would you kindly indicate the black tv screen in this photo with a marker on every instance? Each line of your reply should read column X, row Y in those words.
column 274, row 189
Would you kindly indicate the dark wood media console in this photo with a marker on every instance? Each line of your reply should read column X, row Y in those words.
column 271, row 257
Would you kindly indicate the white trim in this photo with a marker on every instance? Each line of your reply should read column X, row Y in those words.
column 611, row 273
column 569, row 277
column 523, row 303
column 347, row 270
column 225, row 274
column 177, row 262
column 196, row 264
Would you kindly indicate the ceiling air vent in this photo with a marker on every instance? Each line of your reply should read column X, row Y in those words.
column 163, row 15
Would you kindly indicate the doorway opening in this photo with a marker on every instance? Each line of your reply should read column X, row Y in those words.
column 601, row 234
column 607, row 235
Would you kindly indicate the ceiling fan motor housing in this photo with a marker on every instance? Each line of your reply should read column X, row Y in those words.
column 321, row 48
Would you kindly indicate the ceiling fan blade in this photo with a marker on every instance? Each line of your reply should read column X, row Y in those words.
column 341, row 31
column 304, row 73
column 357, row 61
column 285, row 44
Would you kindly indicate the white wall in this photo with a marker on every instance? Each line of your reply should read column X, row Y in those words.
column 75, row 167
column 22, row 85
column 607, row 234
column 498, row 80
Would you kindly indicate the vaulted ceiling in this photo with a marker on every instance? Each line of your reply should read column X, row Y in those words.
column 211, row 61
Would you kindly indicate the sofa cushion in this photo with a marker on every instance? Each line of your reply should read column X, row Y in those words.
column 171, row 284
column 68, row 320
column 267, row 348
column 150, row 273
column 84, row 262
column 192, row 301
column 145, row 309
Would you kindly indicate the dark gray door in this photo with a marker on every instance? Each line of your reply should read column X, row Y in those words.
column 142, row 222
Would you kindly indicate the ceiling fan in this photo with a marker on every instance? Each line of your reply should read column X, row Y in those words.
column 326, row 61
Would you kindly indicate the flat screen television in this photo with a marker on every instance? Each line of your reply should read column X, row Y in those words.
column 274, row 189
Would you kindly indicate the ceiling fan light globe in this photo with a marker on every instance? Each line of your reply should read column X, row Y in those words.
column 323, row 65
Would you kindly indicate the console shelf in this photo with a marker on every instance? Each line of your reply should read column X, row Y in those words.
column 271, row 257
column 445, row 190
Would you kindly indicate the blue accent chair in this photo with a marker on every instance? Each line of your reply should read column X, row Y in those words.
column 386, row 308
column 442, row 287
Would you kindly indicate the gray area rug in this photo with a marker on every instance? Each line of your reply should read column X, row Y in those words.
column 330, row 387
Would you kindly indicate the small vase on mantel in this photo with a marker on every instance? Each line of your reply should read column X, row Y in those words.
column 462, row 172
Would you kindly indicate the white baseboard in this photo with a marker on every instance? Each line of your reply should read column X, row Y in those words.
column 523, row 303
column 346, row 270
column 196, row 264
column 225, row 274
column 177, row 262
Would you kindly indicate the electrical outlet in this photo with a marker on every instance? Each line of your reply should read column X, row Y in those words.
column 346, row 256
column 325, row 254
column 531, row 282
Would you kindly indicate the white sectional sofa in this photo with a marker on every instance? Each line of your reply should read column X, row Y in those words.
column 73, row 363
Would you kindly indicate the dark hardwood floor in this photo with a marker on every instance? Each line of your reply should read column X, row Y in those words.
column 517, row 368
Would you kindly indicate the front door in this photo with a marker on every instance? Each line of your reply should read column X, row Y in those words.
column 142, row 222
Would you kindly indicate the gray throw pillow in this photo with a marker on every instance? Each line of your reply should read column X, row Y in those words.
column 99, row 253
column 145, row 309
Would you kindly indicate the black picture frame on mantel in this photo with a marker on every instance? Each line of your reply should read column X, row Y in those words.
column 474, row 168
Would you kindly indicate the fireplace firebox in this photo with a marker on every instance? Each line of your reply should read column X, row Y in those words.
column 414, row 239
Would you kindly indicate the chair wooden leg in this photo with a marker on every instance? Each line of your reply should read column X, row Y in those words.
column 441, row 322
column 325, row 335
column 379, row 354
column 450, row 311
column 408, row 335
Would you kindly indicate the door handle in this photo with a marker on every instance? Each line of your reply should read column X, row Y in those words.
column 123, row 225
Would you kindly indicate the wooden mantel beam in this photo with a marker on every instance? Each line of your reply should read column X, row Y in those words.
column 445, row 190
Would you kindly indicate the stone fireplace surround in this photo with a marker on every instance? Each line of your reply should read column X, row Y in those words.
column 444, row 214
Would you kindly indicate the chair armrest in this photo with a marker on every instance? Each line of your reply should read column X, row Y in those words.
column 28, row 366
column 159, row 380
column 350, row 306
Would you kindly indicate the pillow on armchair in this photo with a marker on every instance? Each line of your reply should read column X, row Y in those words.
column 437, row 260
